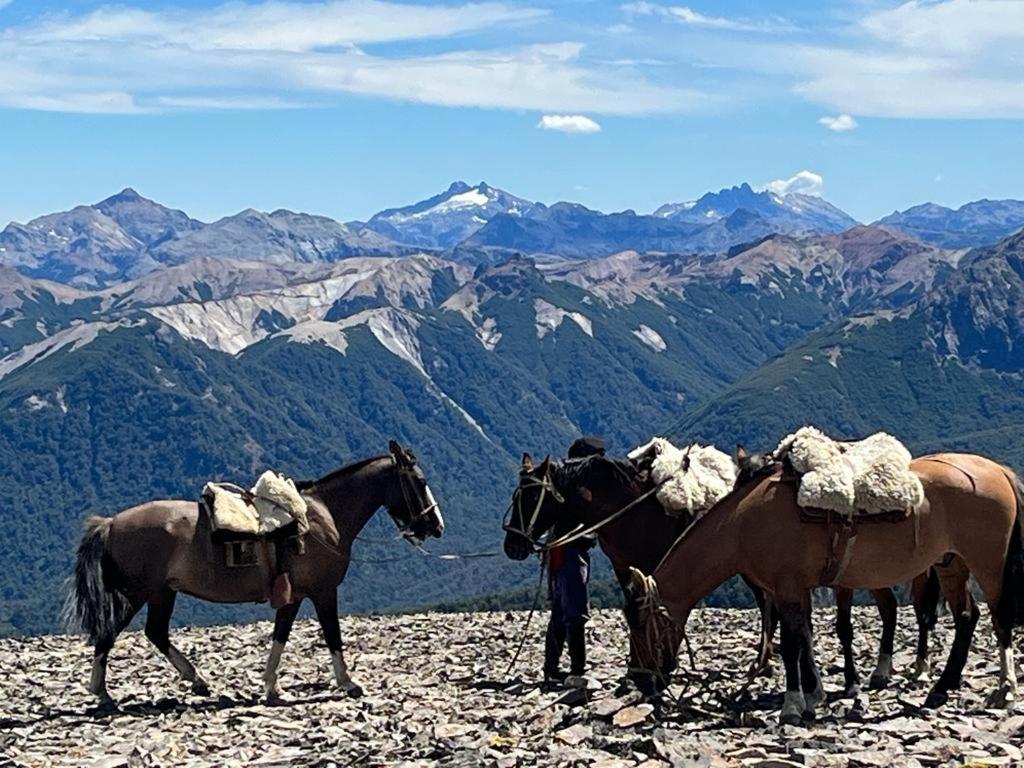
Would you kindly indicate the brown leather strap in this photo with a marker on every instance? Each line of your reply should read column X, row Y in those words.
column 841, row 531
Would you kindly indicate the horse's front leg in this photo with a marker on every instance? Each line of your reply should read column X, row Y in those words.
column 283, row 621
column 926, row 591
column 327, row 612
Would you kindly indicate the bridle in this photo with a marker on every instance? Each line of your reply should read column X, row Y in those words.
column 547, row 486
column 411, row 498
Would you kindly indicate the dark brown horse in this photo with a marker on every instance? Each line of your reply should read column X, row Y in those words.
column 971, row 508
column 147, row 554
column 557, row 497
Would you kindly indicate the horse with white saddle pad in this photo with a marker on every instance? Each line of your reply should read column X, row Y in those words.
column 146, row 555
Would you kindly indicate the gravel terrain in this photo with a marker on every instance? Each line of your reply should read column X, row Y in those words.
column 437, row 694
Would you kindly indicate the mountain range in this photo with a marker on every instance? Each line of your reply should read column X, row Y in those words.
column 125, row 236
column 139, row 367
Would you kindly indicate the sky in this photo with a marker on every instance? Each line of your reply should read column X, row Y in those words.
column 346, row 107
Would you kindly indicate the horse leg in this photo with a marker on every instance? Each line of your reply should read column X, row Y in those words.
column 158, row 623
column 956, row 588
column 1005, row 693
column 803, row 684
column 844, row 630
column 283, row 621
column 327, row 612
column 926, row 592
column 101, row 654
column 769, row 621
column 885, row 599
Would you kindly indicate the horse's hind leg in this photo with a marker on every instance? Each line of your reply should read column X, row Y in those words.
column 926, row 592
column 327, row 613
column 283, row 621
column 844, row 629
column 956, row 588
column 887, row 606
column 158, row 623
column 101, row 653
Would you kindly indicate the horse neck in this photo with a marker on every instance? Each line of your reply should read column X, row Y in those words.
column 706, row 555
column 353, row 497
column 641, row 537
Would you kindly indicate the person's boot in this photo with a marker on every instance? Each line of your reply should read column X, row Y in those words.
column 577, row 638
column 554, row 641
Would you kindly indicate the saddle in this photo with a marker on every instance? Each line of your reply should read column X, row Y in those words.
column 250, row 524
column 844, row 484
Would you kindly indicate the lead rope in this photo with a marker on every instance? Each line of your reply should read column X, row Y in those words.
column 529, row 618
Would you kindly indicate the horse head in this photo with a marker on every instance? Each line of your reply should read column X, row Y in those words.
column 415, row 511
column 750, row 465
column 534, row 508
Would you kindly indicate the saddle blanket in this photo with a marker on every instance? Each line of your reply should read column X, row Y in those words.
column 693, row 479
column 866, row 477
column 271, row 505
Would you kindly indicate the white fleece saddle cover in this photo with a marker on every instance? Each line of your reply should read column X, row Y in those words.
column 271, row 504
column 694, row 478
column 866, row 477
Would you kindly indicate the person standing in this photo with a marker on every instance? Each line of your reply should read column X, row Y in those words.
column 568, row 576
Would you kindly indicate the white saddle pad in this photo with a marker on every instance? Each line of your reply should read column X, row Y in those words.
column 695, row 478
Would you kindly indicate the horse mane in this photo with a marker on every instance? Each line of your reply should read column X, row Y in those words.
column 576, row 473
column 306, row 485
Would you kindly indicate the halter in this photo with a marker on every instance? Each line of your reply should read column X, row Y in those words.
column 406, row 480
column 546, row 485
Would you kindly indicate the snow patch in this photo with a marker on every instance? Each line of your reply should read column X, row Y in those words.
column 550, row 317
column 651, row 338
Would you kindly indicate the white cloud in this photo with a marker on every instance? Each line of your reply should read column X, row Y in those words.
column 937, row 59
column 804, row 183
column 688, row 16
column 277, row 53
column 838, row 123
column 568, row 124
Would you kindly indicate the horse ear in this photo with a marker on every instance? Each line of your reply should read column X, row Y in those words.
column 527, row 462
column 546, row 463
column 741, row 453
column 395, row 449
column 410, row 457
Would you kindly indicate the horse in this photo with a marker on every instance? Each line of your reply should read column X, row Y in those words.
column 925, row 592
column 147, row 554
column 555, row 497
column 971, row 508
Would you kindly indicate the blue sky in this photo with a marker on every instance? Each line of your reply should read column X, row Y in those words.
column 344, row 108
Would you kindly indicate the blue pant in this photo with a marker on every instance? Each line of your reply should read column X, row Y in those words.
column 567, row 588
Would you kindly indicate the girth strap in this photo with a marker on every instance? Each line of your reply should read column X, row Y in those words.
column 841, row 531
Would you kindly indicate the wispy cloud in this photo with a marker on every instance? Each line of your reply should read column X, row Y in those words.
column 568, row 124
column 275, row 53
column 804, row 183
column 938, row 59
column 838, row 123
column 686, row 15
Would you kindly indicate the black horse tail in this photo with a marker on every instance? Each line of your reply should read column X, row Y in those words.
column 1010, row 611
column 93, row 605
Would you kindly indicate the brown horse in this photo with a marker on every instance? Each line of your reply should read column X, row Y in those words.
column 925, row 591
column 147, row 554
column 971, row 508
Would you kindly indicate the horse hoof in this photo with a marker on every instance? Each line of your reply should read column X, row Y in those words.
column 791, row 718
column 274, row 699
column 808, row 716
column 1001, row 698
column 105, row 705
column 353, row 691
column 936, row 699
column 878, row 682
column 200, row 688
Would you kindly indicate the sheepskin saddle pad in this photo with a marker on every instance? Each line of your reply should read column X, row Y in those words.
column 690, row 480
column 868, row 477
column 271, row 507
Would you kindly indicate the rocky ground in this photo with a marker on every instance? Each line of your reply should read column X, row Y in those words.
column 437, row 694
